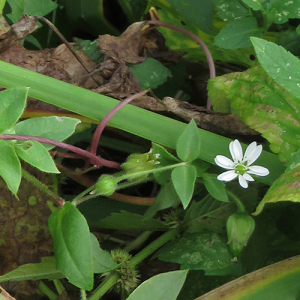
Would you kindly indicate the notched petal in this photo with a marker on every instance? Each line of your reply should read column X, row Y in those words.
column 243, row 182
column 224, row 162
column 236, row 150
column 258, row 170
column 227, row 176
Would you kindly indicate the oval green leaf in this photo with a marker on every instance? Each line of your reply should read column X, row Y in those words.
column 215, row 187
column 164, row 286
column 10, row 167
column 12, row 105
column 72, row 246
column 188, row 144
column 36, row 155
column 183, row 179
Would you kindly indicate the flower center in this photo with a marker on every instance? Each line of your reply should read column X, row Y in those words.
column 241, row 169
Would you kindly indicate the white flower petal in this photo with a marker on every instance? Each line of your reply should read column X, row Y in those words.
column 236, row 150
column 243, row 182
column 248, row 177
column 253, row 156
column 258, row 170
column 224, row 162
column 227, row 176
column 250, row 149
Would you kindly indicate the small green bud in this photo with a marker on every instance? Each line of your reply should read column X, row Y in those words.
column 240, row 226
column 140, row 162
column 105, row 186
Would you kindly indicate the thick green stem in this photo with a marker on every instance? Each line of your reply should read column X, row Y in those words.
column 105, row 286
column 138, row 241
column 43, row 289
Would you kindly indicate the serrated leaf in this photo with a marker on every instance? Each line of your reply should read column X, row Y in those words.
column 280, row 11
column 188, row 144
column 54, row 128
column 12, row 105
column 237, row 33
column 285, row 188
column 208, row 213
column 72, row 245
column 46, row 269
column 102, row 260
column 164, row 286
column 215, row 187
column 150, row 73
column 165, row 158
column 183, row 179
column 36, row 155
column 126, row 220
column 205, row 251
column 10, row 167
column 280, row 64
column 230, row 10
column 262, row 105
column 166, row 197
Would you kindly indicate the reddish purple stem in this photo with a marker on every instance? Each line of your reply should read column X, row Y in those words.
column 93, row 158
column 210, row 60
column 107, row 118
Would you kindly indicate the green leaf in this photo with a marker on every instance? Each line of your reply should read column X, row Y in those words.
column 254, row 4
column 166, row 197
column 237, row 33
column 230, row 10
column 165, row 159
column 188, row 144
column 280, row 11
column 164, row 286
column 183, row 179
column 54, row 128
column 72, row 245
column 29, row 7
column 285, row 188
column 36, row 155
column 205, row 251
column 10, row 167
column 290, row 41
column 199, row 12
column 12, row 105
column 126, row 221
column 280, row 64
column 91, row 49
column 102, row 260
column 150, row 73
column 133, row 9
column 215, row 187
column 262, row 105
column 208, row 213
column 46, row 269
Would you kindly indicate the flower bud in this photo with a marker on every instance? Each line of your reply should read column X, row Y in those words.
column 105, row 186
column 140, row 162
column 240, row 226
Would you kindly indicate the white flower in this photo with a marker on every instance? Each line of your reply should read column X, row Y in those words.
column 241, row 165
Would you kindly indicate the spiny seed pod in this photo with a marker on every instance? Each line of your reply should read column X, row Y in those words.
column 240, row 226
column 140, row 162
column 106, row 185
column 128, row 276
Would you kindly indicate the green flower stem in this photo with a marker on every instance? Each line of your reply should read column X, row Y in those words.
column 43, row 289
column 77, row 199
column 105, row 286
column 111, row 279
column 155, row 170
column 82, row 294
column 138, row 241
column 154, row 246
column 238, row 202
column 42, row 187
